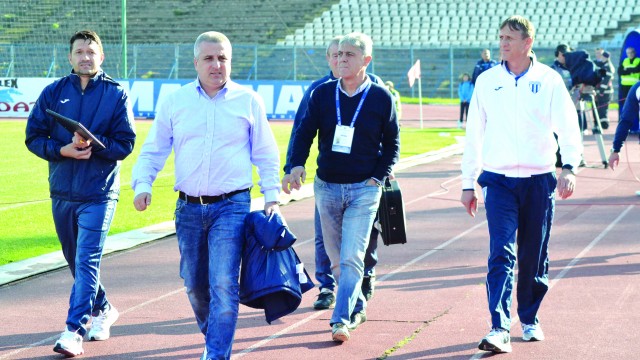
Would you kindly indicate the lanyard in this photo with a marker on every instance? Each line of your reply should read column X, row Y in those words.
column 355, row 115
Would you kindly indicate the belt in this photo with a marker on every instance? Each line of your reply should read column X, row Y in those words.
column 209, row 199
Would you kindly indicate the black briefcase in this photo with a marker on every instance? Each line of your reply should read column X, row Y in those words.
column 391, row 214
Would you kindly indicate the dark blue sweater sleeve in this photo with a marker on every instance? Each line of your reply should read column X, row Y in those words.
column 390, row 146
column 627, row 117
column 302, row 109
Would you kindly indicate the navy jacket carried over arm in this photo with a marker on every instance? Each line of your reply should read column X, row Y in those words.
column 271, row 277
column 103, row 108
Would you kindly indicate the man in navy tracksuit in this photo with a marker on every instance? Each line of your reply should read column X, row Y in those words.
column 510, row 151
column 84, row 182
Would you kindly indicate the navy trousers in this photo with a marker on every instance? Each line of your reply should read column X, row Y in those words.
column 519, row 214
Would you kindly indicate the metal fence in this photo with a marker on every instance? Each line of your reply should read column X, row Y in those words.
column 441, row 67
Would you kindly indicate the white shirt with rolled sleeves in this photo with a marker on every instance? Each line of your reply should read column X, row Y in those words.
column 511, row 124
column 216, row 141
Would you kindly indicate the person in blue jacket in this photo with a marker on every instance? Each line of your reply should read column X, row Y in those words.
column 84, row 182
column 465, row 90
column 628, row 116
column 484, row 64
column 327, row 283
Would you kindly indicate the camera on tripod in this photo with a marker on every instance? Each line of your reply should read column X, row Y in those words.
column 582, row 69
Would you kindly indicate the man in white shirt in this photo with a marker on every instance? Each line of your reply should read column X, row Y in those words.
column 510, row 151
column 217, row 129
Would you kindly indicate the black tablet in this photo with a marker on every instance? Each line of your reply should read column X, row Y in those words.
column 74, row 126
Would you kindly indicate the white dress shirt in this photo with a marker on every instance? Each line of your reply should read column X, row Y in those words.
column 216, row 141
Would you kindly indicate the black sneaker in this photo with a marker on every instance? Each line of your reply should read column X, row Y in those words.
column 326, row 300
column 368, row 286
column 357, row 319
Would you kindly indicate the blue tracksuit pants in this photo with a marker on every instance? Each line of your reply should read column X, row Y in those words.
column 519, row 215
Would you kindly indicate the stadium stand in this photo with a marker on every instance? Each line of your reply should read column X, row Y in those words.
column 285, row 40
column 470, row 24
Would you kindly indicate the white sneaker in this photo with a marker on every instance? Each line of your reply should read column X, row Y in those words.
column 101, row 324
column 69, row 344
column 497, row 341
column 340, row 333
column 532, row 332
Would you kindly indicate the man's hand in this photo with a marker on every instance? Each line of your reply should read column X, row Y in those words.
column 470, row 202
column 271, row 207
column 614, row 160
column 297, row 178
column 286, row 183
column 141, row 201
column 80, row 142
column 78, row 149
column 566, row 183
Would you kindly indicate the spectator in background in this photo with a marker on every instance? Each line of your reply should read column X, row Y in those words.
column 396, row 96
column 628, row 116
column 465, row 90
column 218, row 130
column 514, row 165
column 358, row 142
column 629, row 72
column 604, row 90
column 484, row 64
column 327, row 283
column 84, row 182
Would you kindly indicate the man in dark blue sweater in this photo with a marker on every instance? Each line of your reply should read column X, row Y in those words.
column 327, row 283
column 358, row 141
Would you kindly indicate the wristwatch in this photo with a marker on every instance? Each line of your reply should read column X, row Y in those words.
column 568, row 167
column 614, row 151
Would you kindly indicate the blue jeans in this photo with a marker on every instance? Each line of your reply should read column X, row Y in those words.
column 323, row 264
column 346, row 212
column 82, row 228
column 210, row 239
column 525, row 205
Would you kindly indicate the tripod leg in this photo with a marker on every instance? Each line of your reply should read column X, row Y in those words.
column 598, row 132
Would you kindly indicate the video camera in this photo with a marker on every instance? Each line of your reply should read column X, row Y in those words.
column 582, row 69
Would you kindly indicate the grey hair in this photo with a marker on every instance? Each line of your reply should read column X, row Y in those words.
column 359, row 40
column 334, row 41
column 212, row 37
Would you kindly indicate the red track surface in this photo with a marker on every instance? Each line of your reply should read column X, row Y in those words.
column 430, row 300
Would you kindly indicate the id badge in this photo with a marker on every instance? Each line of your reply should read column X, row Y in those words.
column 342, row 139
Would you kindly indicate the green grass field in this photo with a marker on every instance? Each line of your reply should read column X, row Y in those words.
column 26, row 225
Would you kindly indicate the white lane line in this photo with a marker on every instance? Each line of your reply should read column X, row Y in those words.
column 383, row 278
column 55, row 337
column 569, row 266
column 278, row 334
column 131, row 309
column 291, row 327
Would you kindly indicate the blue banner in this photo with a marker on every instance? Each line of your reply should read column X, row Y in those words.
column 281, row 98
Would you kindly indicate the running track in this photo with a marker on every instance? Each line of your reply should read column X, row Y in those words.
column 430, row 298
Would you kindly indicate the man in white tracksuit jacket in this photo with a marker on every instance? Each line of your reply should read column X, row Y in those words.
column 510, row 151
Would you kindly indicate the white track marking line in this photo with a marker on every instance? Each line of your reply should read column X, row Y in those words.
column 383, row 278
column 569, row 266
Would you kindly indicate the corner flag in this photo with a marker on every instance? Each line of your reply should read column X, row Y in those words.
column 414, row 73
